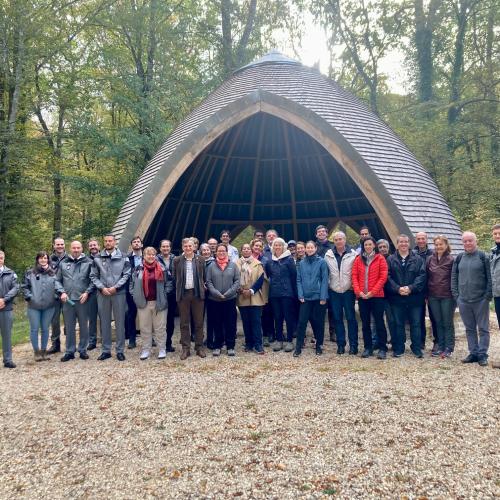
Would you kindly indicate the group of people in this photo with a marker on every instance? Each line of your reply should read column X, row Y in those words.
column 273, row 284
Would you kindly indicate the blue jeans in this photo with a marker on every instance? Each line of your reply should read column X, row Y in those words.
column 401, row 312
column 284, row 309
column 343, row 303
column 40, row 319
column 252, row 328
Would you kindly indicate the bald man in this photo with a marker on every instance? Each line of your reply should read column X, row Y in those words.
column 74, row 286
column 471, row 288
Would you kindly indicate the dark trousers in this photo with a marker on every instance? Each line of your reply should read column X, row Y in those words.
column 92, row 310
column 313, row 311
column 190, row 304
column 172, row 309
column 497, row 309
column 55, row 335
column 224, row 323
column 130, row 330
column 423, row 330
column 283, row 309
column 252, row 328
column 373, row 307
column 391, row 322
column 267, row 321
column 343, row 303
column 443, row 311
column 210, row 312
column 401, row 312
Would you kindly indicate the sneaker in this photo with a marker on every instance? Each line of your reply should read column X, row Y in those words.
column 277, row 346
column 162, row 354
column 297, row 353
column 381, row 355
column 435, row 353
column 260, row 352
column 471, row 358
column 265, row 341
column 367, row 353
column 144, row 355
column 319, row 350
column 397, row 354
column 247, row 349
column 216, row 352
column 446, row 353
column 289, row 347
column 418, row 354
column 231, row 352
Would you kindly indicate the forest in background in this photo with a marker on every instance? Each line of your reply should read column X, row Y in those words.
column 89, row 89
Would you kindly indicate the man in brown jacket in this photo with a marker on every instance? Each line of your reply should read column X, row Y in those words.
column 189, row 272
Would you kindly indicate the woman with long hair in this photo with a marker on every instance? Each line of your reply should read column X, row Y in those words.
column 369, row 274
column 39, row 289
column 441, row 301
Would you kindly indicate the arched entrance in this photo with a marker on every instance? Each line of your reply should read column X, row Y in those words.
column 265, row 172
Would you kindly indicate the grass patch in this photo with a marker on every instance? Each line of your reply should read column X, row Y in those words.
column 20, row 328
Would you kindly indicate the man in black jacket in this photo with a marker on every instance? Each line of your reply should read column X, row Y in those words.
column 166, row 257
column 57, row 256
column 135, row 259
column 405, row 290
column 94, row 249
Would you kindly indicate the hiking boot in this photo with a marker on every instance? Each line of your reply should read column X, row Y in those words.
column 44, row 355
column 289, row 347
column 185, row 354
column 144, row 355
column 201, row 352
column 38, row 355
column 471, row 358
column 367, row 353
column 277, row 346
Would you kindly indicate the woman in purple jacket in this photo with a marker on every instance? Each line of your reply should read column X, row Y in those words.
column 441, row 302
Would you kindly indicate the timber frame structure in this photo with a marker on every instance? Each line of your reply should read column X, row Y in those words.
column 280, row 145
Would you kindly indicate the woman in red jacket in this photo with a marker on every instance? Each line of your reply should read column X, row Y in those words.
column 369, row 274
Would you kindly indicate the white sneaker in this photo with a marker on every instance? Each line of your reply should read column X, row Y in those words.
column 216, row 352
column 144, row 354
column 162, row 354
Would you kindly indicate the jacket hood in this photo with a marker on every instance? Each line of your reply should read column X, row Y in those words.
column 286, row 253
column 333, row 251
column 118, row 254
column 81, row 257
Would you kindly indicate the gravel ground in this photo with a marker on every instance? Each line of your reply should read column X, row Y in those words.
column 250, row 427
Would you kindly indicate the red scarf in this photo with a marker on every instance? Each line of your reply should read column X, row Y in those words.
column 146, row 277
column 222, row 263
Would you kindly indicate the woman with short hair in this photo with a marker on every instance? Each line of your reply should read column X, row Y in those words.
column 251, row 298
column 223, row 283
column 206, row 255
column 282, row 274
column 441, row 301
column 149, row 289
column 39, row 289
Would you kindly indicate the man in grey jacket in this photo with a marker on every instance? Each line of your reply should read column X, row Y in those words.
column 8, row 290
column 495, row 270
column 471, row 288
column 74, row 287
column 110, row 274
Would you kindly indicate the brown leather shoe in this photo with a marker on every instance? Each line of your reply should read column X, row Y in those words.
column 185, row 354
column 201, row 353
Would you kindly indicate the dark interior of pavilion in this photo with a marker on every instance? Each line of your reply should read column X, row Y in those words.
column 263, row 172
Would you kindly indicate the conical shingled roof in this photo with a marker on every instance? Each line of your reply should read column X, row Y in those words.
column 384, row 168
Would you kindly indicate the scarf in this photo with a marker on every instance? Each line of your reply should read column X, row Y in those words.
column 149, row 269
column 222, row 263
column 246, row 271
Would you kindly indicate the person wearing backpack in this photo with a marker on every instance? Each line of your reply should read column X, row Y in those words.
column 471, row 288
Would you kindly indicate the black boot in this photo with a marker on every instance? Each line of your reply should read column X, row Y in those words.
column 55, row 347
